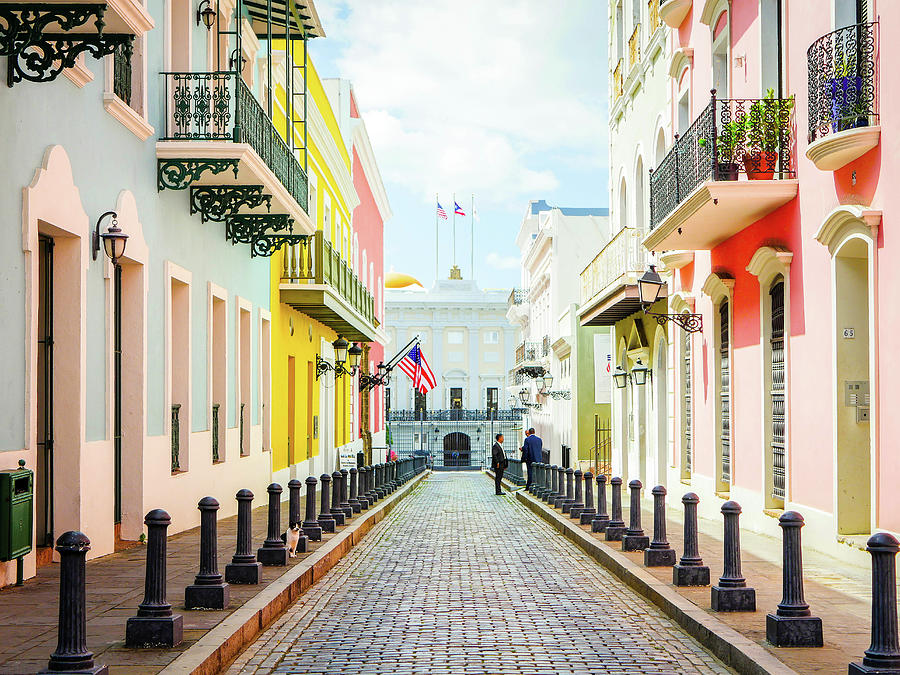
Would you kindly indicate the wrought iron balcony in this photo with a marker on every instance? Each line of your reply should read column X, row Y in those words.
column 736, row 156
column 518, row 296
column 843, row 95
column 545, row 346
column 528, row 352
column 316, row 281
column 122, row 72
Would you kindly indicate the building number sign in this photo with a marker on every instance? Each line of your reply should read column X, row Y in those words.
column 849, row 333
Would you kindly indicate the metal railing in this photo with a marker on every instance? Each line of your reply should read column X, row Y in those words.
column 843, row 72
column 517, row 296
column 455, row 414
column 122, row 72
column 617, row 81
column 621, row 255
column 528, row 351
column 219, row 106
column 314, row 261
column 730, row 137
column 545, row 346
column 176, row 437
column 215, row 432
column 653, row 14
column 634, row 47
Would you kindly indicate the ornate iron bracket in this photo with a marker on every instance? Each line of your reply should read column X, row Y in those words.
column 218, row 202
column 559, row 394
column 532, row 371
column 692, row 323
column 178, row 174
column 265, row 232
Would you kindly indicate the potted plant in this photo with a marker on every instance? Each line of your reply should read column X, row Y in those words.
column 848, row 110
column 728, row 149
column 765, row 122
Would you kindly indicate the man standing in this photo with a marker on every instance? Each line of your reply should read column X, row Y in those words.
column 498, row 462
column 532, row 451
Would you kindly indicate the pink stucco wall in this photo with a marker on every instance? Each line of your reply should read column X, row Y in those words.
column 793, row 227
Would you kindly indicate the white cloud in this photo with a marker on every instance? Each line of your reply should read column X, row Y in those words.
column 502, row 262
column 462, row 95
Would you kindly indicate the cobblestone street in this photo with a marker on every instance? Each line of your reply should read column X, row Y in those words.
column 457, row 579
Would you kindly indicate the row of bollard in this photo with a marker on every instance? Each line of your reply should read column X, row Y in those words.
column 792, row 623
column 344, row 493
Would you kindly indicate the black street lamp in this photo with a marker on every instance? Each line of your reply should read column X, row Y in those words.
column 649, row 287
column 354, row 352
column 340, row 358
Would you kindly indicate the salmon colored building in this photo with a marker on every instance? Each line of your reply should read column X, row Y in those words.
column 768, row 212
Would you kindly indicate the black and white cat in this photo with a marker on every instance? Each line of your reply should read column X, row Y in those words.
column 292, row 538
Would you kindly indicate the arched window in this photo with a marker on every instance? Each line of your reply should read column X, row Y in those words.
column 660, row 147
column 623, row 205
column 639, row 209
column 721, row 46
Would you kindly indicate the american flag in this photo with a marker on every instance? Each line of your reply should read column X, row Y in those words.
column 458, row 209
column 441, row 212
column 415, row 365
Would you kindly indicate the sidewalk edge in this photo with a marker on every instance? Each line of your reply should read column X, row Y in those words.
column 221, row 645
column 728, row 645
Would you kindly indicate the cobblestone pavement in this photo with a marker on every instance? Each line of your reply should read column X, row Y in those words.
column 457, row 580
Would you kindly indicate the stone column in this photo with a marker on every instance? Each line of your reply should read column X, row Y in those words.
column 273, row 551
column 635, row 539
column 615, row 526
column 209, row 590
column 311, row 527
column 732, row 594
column 155, row 625
column 294, row 511
column 326, row 519
column 792, row 624
column 690, row 570
column 354, row 502
column 71, row 653
column 660, row 554
column 578, row 506
column 588, row 512
column 883, row 654
column 599, row 522
column 336, row 511
column 345, row 494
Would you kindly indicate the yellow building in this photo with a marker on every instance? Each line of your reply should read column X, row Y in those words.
column 316, row 296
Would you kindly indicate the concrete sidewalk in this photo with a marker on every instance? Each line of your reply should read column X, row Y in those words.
column 837, row 592
column 115, row 587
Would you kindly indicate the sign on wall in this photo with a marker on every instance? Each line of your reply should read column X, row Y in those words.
column 603, row 367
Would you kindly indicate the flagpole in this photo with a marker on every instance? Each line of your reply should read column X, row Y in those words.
column 436, row 202
column 472, row 242
column 454, row 229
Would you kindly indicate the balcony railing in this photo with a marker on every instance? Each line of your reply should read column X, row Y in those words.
column 621, row 255
column 517, row 296
column 122, row 72
column 314, row 261
column 842, row 80
column 528, row 351
column 176, row 437
column 730, row 137
column 456, row 414
column 617, row 81
column 545, row 346
column 634, row 47
column 219, row 106
column 653, row 14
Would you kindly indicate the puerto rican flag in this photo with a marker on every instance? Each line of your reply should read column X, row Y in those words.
column 415, row 365
column 457, row 209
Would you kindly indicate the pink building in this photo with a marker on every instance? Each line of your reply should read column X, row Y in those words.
column 768, row 212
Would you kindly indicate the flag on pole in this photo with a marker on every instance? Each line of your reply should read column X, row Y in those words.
column 458, row 209
column 440, row 211
column 415, row 365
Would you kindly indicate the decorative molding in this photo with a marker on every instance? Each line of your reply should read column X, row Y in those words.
column 681, row 301
column 768, row 262
column 845, row 221
column 129, row 118
column 718, row 287
column 712, row 9
column 835, row 151
column 673, row 12
column 680, row 57
column 326, row 144
column 675, row 260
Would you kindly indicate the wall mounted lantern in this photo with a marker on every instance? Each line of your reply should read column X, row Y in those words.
column 206, row 14
column 649, row 287
column 639, row 373
column 113, row 240
column 620, row 377
column 525, row 398
column 341, row 351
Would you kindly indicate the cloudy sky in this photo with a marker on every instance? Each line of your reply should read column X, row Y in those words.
column 505, row 99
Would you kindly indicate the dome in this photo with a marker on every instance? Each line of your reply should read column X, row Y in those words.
column 399, row 280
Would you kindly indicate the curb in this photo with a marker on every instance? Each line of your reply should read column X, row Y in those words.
column 728, row 645
column 213, row 652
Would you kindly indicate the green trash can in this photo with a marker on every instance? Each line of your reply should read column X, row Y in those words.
column 16, row 515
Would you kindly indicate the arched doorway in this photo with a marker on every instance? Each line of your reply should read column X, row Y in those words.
column 457, row 449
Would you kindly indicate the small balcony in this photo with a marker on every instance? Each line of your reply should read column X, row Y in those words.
column 731, row 167
column 673, row 12
column 844, row 122
column 219, row 142
column 517, row 306
column 315, row 280
column 618, row 82
column 634, row 47
column 654, row 20
column 609, row 282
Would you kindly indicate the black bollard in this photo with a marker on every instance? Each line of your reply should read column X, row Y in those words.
column 554, row 484
column 690, row 570
column 560, row 495
column 243, row 568
column 294, row 512
column 326, row 519
column 732, row 594
column 615, row 526
column 635, row 539
column 538, row 487
column 578, row 506
column 660, row 554
column 273, row 552
column 883, row 654
column 336, row 511
column 354, row 502
column 588, row 512
column 792, row 624
column 72, row 655
column 363, row 498
column 569, row 501
column 601, row 520
column 345, row 494
column 311, row 527
column 209, row 590
column 155, row 625
column 370, row 492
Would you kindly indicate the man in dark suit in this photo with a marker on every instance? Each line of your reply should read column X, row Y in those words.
column 532, row 451
column 498, row 462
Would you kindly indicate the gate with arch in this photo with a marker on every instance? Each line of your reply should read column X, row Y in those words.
column 457, row 450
